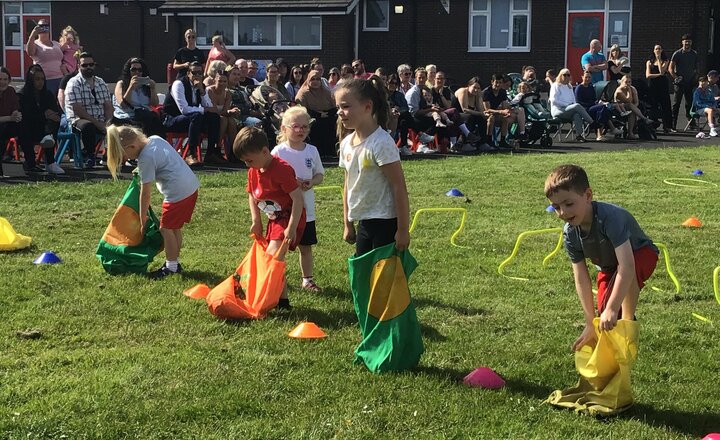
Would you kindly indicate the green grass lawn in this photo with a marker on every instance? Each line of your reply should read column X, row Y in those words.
column 124, row 357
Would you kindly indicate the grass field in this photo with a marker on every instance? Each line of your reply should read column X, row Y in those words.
column 124, row 357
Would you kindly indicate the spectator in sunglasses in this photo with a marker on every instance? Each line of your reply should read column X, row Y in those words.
column 188, row 54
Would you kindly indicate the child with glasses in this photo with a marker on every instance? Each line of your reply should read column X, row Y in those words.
column 309, row 172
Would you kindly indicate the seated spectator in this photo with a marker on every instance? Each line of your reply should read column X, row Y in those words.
column 215, row 67
column 10, row 115
column 316, row 64
column 704, row 102
column 218, row 52
column 243, row 70
column 550, row 78
column 295, row 82
column 320, row 104
column 41, row 120
column 272, row 79
column 418, row 107
column 381, row 73
column 188, row 54
column 359, row 69
column 530, row 101
column 563, row 105
column 70, row 46
column 431, row 70
column 346, row 74
column 135, row 97
column 242, row 112
column 585, row 96
column 253, row 71
column 333, row 78
column 442, row 96
column 499, row 112
column 529, row 77
column 284, row 70
column 441, row 119
column 627, row 95
column 88, row 105
column 47, row 53
column 468, row 101
column 400, row 119
column 222, row 100
column 188, row 109
column 713, row 77
column 405, row 74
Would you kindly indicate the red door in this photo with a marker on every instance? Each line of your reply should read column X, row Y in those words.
column 581, row 29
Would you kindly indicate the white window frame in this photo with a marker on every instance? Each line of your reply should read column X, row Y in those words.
column 278, row 32
column 375, row 29
column 488, row 13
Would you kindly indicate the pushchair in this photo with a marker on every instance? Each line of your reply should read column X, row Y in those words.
column 269, row 101
column 540, row 125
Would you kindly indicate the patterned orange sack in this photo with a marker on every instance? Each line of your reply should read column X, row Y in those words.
column 254, row 288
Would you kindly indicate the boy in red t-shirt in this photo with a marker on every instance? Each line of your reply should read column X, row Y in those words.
column 273, row 189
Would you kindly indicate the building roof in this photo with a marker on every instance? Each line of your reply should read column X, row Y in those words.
column 274, row 6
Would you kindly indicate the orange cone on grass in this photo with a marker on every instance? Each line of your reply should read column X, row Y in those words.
column 307, row 330
column 692, row 222
column 199, row 291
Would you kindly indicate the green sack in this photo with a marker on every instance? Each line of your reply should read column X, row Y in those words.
column 123, row 248
column 391, row 333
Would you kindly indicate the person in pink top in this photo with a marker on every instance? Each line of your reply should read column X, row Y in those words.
column 70, row 46
column 218, row 52
column 47, row 53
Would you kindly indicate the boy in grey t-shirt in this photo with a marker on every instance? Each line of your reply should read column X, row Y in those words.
column 612, row 239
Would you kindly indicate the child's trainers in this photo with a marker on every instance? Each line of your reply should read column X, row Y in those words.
column 309, row 284
column 713, row 132
column 284, row 304
column 163, row 272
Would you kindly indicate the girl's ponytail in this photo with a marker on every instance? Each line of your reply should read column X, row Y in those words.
column 115, row 150
column 380, row 102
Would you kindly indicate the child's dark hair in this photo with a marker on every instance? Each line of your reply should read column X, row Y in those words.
column 249, row 140
column 372, row 89
column 567, row 178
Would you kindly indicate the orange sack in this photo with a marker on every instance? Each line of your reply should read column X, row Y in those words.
column 254, row 288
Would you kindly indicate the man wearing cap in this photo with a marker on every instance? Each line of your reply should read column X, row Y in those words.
column 683, row 69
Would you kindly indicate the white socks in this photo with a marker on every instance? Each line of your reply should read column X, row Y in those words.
column 172, row 265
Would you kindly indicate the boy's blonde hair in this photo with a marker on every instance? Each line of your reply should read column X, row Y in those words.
column 568, row 178
column 289, row 115
column 249, row 140
column 118, row 137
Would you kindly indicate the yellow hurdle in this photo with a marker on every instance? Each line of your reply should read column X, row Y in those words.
column 520, row 238
column 456, row 233
column 716, row 289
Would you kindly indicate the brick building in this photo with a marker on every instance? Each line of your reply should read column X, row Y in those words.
column 463, row 37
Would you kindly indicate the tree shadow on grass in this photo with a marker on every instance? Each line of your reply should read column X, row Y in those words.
column 431, row 333
column 448, row 374
column 681, row 422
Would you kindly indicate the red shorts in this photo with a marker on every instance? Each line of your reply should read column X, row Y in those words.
column 645, row 261
column 276, row 230
column 175, row 215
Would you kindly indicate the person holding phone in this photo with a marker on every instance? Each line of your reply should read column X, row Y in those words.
column 135, row 97
column 218, row 52
column 47, row 53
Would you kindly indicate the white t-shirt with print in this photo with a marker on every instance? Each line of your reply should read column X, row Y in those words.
column 368, row 191
column 306, row 163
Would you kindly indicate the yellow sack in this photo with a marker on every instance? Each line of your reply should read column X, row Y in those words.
column 11, row 240
column 604, row 385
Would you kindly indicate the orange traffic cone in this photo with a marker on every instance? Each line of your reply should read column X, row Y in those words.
column 307, row 330
column 692, row 222
column 199, row 291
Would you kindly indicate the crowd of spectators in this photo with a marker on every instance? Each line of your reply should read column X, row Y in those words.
column 214, row 95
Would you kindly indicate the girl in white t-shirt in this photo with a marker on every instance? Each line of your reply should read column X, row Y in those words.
column 305, row 160
column 374, row 193
column 158, row 163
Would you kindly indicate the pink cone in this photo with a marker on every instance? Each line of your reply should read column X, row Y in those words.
column 712, row 436
column 484, row 377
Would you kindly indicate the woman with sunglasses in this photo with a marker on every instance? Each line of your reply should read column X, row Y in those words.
column 47, row 53
column 135, row 97
column 564, row 106
column 333, row 78
column 320, row 104
column 188, row 54
column 296, row 81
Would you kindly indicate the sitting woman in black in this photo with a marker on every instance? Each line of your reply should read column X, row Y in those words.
column 40, row 121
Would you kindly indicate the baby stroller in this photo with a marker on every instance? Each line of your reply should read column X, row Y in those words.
column 540, row 125
column 272, row 104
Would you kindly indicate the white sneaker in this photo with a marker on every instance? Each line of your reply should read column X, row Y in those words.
column 47, row 142
column 426, row 138
column 713, row 132
column 405, row 151
column 54, row 168
column 424, row 149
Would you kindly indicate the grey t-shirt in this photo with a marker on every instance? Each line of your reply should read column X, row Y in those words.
column 611, row 227
column 686, row 65
column 159, row 162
